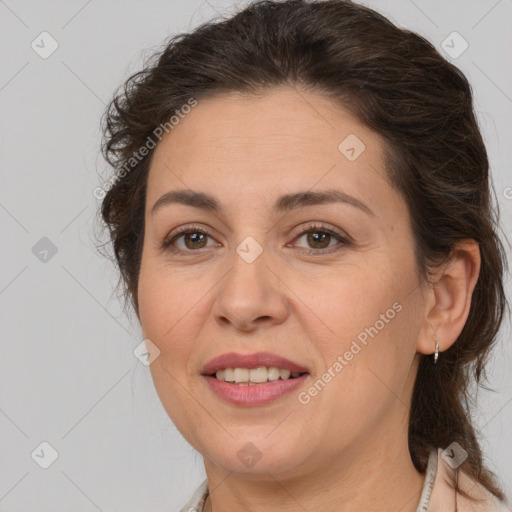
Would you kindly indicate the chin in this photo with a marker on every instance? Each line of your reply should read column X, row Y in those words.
column 257, row 456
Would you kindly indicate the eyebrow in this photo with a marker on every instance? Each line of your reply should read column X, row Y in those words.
column 283, row 203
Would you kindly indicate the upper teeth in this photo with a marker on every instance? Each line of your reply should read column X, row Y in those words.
column 254, row 375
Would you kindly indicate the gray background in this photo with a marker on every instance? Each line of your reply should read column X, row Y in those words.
column 68, row 373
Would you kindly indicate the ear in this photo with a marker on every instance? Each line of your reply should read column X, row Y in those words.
column 447, row 302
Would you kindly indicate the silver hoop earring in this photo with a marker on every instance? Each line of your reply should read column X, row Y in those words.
column 436, row 355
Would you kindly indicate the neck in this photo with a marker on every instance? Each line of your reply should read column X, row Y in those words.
column 367, row 477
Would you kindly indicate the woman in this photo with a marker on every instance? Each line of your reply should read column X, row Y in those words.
column 302, row 221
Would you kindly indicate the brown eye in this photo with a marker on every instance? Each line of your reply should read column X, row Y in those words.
column 187, row 240
column 319, row 240
column 195, row 239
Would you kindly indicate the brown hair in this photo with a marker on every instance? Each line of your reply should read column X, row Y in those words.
column 396, row 83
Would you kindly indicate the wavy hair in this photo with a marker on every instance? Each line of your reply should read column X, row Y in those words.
column 397, row 84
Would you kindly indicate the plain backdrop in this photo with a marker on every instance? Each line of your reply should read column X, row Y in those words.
column 69, row 377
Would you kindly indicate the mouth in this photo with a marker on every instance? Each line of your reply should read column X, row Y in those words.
column 256, row 368
column 255, row 376
column 253, row 379
column 253, row 394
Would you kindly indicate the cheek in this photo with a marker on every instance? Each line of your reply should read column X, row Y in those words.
column 160, row 307
column 353, row 300
column 367, row 319
column 169, row 320
column 162, row 298
column 367, row 360
column 172, row 312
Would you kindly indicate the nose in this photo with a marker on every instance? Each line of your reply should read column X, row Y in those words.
column 251, row 295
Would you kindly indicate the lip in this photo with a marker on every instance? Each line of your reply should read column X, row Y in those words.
column 234, row 360
column 253, row 396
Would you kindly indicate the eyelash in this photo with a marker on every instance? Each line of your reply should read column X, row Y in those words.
column 310, row 228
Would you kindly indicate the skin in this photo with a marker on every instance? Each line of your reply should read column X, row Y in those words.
column 346, row 450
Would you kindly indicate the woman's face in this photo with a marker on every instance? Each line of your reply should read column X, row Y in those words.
column 327, row 284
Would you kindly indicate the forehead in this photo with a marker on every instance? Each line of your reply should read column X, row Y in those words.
column 284, row 140
column 265, row 125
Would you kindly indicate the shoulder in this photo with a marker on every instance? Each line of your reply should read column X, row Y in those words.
column 196, row 502
column 444, row 498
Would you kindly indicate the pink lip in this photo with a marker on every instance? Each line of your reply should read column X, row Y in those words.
column 234, row 360
column 251, row 396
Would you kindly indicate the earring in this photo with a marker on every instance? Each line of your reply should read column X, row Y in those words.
column 436, row 355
